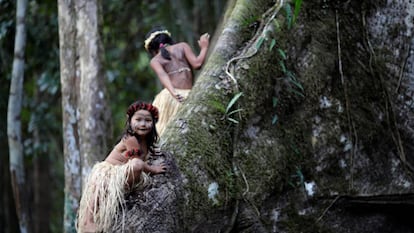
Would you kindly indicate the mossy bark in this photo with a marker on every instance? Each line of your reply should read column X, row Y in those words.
column 321, row 123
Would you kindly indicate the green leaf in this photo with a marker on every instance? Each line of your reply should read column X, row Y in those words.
column 277, row 25
column 298, row 4
column 300, row 175
column 296, row 84
column 291, row 75
column 260, row 42
column 275, row 100
column 272, row 44
column 296, row 92
column 288, row 11
column 274, row 120
column 282, row 66
column 234, row 111
column 233, row 120
column 282, row 54
column 232, row 101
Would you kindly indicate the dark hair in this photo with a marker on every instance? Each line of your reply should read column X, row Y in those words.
column 154, row 45
column 152, row 137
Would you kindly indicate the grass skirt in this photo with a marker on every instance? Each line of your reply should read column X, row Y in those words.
column 103, row 195
column 167, row 106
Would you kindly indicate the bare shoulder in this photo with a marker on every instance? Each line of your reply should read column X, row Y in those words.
column 182, row 45
column 115, row 157
column 130, row 142
column 182, row 49
column 155, row 59
column 120, row 146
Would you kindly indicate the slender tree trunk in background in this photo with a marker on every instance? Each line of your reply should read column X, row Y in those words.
column 14, row 122
column 94, row 112
column 86, row 115
column 70, row 88
column 8, row 218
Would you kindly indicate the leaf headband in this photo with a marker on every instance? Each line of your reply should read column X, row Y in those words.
column 153, row 35
column 143, row 106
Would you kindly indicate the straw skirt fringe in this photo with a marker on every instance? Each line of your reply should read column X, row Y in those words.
column 103, row 195
column 167, row 106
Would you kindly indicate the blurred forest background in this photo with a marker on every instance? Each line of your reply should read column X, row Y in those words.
column 128, row 77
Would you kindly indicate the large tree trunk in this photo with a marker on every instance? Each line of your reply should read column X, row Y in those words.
column 14, row 122
column 324, row 127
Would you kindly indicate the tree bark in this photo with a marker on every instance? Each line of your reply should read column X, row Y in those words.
column 326, row 119
column 94, row 111
column 14, row 122
column 69, row 79
column 85, row 111
column 213, row 155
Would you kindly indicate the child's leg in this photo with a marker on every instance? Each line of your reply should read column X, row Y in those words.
column 89, row 225
column 137, row 168
column 86, row 222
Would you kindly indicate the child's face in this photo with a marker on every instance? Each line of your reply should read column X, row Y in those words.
column 141, row 122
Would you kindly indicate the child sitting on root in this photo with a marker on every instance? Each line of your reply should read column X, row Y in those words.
column 123, row 169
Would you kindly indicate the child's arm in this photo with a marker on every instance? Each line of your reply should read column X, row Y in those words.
column 132, row 145
column 197, row 61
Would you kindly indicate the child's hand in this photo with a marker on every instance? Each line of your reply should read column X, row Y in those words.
column 179, row 97
column 157, row 169
column 204, row 40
